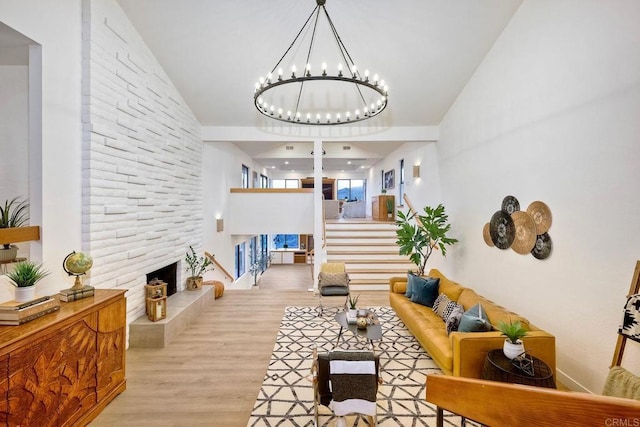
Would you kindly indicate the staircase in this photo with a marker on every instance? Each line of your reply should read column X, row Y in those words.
column 368, row 250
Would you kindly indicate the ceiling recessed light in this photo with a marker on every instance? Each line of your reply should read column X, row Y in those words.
column 349, row 162
column 286, row 163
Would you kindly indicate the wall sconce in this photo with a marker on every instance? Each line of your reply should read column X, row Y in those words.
column 416, row 171
column 219, row 224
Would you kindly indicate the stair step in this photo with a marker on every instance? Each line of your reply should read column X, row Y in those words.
column 367, row 244
column 369, row 281
column 390, row 271
column 357, row 252
column 372, row 261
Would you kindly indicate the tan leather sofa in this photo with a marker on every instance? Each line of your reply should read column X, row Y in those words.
column 463, row 353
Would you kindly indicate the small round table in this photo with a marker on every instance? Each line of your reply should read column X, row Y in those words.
column 371, row 333
column 497, row 367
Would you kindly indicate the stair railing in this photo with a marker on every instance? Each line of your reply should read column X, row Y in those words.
column 213, row 259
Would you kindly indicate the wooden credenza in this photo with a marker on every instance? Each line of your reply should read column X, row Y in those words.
column 64, row 368
column 379, row 207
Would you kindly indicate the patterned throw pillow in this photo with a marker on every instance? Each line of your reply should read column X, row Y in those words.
column 453, row 320
column 333, row 279
column 442, row 299
column 443, row 306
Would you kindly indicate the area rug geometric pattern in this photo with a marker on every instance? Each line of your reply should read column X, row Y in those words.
column 286, row 396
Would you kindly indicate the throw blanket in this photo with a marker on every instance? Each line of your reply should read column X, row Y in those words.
column 353, row 382
column 622, row 383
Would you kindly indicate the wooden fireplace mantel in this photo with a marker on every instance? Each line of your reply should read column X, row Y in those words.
column 65, row 367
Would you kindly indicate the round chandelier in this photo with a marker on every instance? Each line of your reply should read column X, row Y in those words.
column 309, row 93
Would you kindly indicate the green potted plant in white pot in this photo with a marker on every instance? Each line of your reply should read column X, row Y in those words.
column 513, row 345
column 353, row 306
column 196, row 266
column 24, row 277
column 14, row 213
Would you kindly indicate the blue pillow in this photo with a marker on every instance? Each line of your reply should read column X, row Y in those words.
column 425, row 290
column 474, row 320
column 410, row 280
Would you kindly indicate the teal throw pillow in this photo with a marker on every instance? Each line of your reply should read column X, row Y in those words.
column 425, row 290
column 474, row 320
column 410, row 280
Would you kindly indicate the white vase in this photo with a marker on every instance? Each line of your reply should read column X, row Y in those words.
column 353, row 312
column 24, row 294
column 512, row 350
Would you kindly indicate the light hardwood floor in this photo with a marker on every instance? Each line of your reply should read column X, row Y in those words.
column 211, row 374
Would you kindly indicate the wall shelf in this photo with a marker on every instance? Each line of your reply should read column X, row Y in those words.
column 19, row 234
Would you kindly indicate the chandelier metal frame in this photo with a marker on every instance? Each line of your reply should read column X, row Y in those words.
column 292, row 114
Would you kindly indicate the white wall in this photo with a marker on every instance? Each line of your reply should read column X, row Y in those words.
column 223, row 171
column 421, row 191
column 57, row 26
column 143, row 160
column 14, row 147
column 552, row 114
column 14, row 137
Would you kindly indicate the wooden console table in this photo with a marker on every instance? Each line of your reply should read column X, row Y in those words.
column 64, row 368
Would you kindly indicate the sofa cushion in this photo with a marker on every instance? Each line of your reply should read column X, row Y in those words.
column 424, row 290
column 474, row 320
column 453, row 321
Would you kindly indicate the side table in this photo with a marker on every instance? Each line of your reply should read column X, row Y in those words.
column 497, row 367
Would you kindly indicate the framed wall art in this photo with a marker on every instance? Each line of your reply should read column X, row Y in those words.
column 389, row 179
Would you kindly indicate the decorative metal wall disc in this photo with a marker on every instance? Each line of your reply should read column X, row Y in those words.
column 541, row 215
column 525, row 237
column 542, row 248
column 510, row 205
column 502, row 229
column 487, row 235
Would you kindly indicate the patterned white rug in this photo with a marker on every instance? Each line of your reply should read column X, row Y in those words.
column 286, row 396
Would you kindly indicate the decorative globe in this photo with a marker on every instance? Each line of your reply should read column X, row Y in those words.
column 77, row 263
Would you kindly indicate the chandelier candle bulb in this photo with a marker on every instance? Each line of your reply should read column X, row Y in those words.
column 320, row 90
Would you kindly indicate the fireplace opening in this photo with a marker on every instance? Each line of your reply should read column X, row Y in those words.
column 167, row 274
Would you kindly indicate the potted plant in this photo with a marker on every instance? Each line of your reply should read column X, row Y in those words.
column 197, row 266
column 24, row 277
column 418, row 235
column 14, row 213
column 353, row 306
column 513, row 345
column 390, row 208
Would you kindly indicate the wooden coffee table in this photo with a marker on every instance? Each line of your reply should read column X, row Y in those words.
column 372, row 333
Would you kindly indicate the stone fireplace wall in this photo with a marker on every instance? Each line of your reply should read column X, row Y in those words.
column 142, row 150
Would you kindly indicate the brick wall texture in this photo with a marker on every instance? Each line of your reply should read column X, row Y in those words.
column 142, row 189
